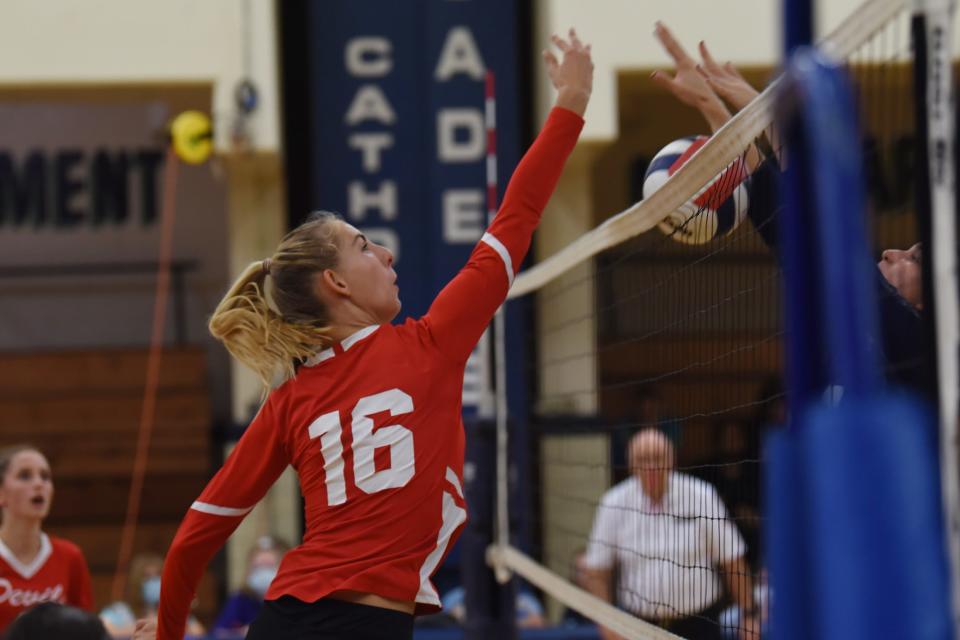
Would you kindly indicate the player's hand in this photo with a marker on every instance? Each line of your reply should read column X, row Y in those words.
column 726, row 80
column 571, row 76
column 733, row 87
column 146, row 630
column 687, row 83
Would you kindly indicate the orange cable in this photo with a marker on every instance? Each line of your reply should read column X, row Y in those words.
column 152, row 383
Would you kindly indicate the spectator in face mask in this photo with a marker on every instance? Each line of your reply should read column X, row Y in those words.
column 243, row 606
column 143, row 596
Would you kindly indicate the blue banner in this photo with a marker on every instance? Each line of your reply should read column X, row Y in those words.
column 398, row 136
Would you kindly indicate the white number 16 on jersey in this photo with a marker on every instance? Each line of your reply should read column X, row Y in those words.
column 365, row 443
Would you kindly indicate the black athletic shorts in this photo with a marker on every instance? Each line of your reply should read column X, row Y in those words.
column 290, row 619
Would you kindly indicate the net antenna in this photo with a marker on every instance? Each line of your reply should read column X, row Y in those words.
column 933, row 36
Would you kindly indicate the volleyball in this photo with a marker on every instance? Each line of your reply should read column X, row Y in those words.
column 714, row 211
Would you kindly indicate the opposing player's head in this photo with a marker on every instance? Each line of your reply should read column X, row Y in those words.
column 286, row 308
column 903, row 268
column 26, row 483
column 651, row 460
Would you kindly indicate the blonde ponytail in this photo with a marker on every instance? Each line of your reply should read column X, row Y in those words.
column 271, row 328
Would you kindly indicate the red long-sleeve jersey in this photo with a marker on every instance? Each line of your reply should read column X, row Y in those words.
column 372, row 426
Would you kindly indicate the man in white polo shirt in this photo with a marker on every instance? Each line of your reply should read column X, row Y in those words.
column 668, row 536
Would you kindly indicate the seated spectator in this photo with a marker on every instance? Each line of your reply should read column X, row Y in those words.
column 529, row 610
column 243, row 606
column 668, row 536
column 143, row 596
column 53, row 621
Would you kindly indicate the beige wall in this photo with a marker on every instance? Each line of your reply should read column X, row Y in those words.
column 118, row 41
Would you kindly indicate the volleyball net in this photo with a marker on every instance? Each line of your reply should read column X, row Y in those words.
column 664, row 333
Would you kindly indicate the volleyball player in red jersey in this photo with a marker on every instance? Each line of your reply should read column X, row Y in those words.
column 34, row 567
column 371, row 420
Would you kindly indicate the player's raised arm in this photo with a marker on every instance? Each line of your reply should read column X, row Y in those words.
column 253, row 466
column 463, row 309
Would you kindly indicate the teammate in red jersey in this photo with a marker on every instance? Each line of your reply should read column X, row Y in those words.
column 371, row 420
column 34, row 567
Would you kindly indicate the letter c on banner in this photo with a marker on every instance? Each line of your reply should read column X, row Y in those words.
column 368, row 57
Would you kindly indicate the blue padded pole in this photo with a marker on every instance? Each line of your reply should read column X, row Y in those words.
column 847, row 303
column 799, row 273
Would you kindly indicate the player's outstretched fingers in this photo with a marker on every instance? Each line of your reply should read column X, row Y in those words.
column 709, row 64
column 574, row 40
column 560, row 43
column 672, row 47
column 730, row 85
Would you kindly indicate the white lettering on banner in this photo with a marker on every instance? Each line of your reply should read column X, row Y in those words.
column 372, row 57
column 369, row 103
column 368, row 57
column 384, row 199
column 459, row 55
column 372, row 146
column 373, row 199
column 469, row 147
column 25, row 598
column 461, row 138
column 463, row 216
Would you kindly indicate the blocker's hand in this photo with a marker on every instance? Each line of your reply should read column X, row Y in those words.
column 146, row 630
column 572, row 76
column 726, row 80
column 688, row 84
